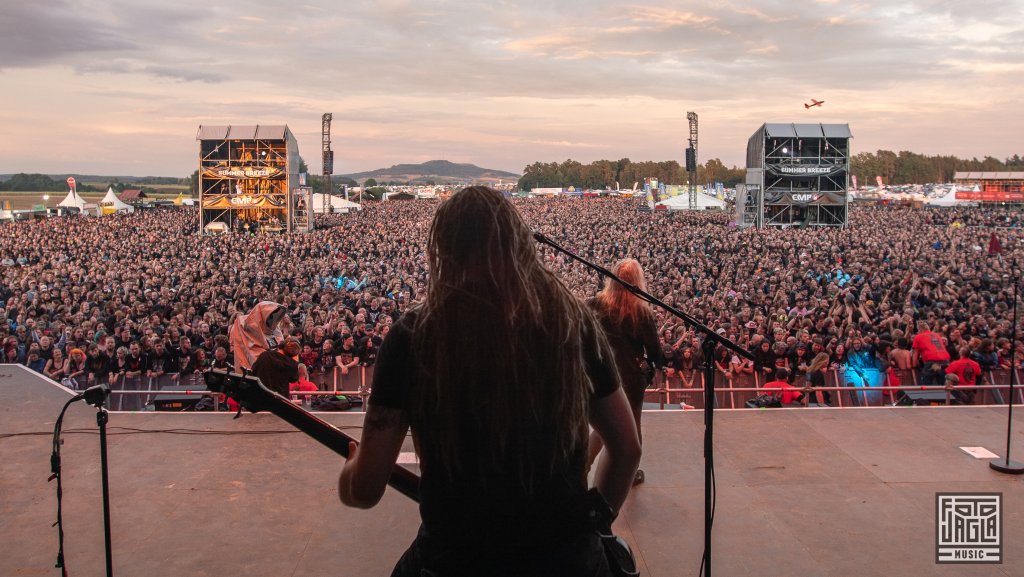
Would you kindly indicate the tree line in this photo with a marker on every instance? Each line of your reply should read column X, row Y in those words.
column 24, row 182
column 40, row 183
column 623, row 173
column 907, row 167
column 895, row 168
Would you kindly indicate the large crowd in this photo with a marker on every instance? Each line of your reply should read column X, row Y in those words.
column 88, row 300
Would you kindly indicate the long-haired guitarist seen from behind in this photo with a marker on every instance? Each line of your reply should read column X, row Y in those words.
column 629, row 324
column 498, row 374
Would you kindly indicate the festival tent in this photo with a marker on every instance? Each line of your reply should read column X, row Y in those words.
column 325, row 202
column 682, row 202
column 72, row 200
column 111, row 204
column 948, row 200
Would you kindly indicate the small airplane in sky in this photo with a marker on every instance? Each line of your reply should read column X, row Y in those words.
column 814, row 103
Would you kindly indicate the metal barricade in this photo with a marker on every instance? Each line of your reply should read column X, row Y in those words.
column 323, row 379
column 738, row 398
column 656, row 391
column 367, row 386
column 690, row 391
column 352, row 381
column 844, row 394
column 840, row 398
column 870, row 382
column 907, row 377
column 128, row 402
column 356, row 383
column 999, row 377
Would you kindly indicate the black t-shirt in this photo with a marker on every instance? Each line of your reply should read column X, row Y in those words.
column 136, row 364
column 163, row 362
column 98, row 365
column 478, row 511
column 631, row 342
column 276, row 370
column 347, row 353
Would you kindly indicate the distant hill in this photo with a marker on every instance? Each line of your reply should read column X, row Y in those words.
column 438, row 171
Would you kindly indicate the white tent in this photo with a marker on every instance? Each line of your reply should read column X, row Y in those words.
column 111, row 204
column 948, row 200
column 72, row 200
column 682, row 202
column 325, row 202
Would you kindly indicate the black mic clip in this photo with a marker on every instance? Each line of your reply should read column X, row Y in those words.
column 96, row 395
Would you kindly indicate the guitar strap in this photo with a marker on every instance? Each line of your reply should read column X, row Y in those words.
column 616, row 550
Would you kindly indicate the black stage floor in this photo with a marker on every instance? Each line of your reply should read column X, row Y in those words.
column 837, row 492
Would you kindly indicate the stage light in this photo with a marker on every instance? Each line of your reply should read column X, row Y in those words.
column 785, row 150
column 46, row 197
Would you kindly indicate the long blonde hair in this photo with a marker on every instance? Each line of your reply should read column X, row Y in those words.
column 622, row 307
column 818, row 362
column 500, row 345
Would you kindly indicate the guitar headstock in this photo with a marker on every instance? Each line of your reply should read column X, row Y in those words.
column 246, row 390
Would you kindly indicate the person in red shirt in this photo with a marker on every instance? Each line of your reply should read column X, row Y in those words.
column 967, row 371
column 790, row 394
column 303, row 385
column 932, row 354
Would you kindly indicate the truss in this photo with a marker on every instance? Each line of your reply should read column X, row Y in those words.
column 692, row 167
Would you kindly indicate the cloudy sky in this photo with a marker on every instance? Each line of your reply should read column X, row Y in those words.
column 120, row 86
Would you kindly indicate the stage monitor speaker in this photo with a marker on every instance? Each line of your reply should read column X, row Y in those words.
column 921, row 398
column 691, row 159
column 168, row 401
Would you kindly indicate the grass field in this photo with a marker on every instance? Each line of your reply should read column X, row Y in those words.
column 22, row 200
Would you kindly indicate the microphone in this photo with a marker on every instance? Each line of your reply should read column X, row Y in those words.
column 538, row 236
column 96, row 394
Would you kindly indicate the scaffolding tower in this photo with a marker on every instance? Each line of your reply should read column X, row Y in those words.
column 328, row 158
column 246, row 177
column 691, row 159
column 797, row 175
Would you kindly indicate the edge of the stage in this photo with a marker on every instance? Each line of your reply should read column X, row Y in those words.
column 800, row 492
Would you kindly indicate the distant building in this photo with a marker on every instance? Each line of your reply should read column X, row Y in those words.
column 990, row 186
column 133, row 196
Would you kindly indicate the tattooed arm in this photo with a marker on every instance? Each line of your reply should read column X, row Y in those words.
column 365, row 475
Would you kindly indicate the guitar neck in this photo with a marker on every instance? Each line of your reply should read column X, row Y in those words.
column 402, row 480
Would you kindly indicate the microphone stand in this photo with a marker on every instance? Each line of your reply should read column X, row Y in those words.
column 711, row 338
column 1005, row 465
column 97, row 396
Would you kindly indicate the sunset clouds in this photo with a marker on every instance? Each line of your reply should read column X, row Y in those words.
column 119, row 87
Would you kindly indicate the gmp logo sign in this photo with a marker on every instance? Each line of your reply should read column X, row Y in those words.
column 803, row 197
column 969, row 528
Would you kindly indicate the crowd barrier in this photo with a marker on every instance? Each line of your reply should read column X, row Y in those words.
column 849, row 388
column 137, row 393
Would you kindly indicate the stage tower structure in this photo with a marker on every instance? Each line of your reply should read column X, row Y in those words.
column 247, row 175
column 797, row 175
